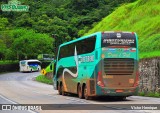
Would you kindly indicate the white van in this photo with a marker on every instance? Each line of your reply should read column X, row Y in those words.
column 29, row 65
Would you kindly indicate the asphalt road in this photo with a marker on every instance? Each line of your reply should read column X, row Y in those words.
column 20, row 88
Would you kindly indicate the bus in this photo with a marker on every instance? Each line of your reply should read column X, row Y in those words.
column 100, row 64
column 29, row 65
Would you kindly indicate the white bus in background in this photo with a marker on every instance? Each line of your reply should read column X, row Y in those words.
column 29, row 65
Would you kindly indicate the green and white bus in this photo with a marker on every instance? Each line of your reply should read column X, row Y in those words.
column 100, row 64
column 29, row 65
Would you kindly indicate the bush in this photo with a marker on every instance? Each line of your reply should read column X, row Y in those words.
column 141, row 94
column 150, row 94
column 44, row 79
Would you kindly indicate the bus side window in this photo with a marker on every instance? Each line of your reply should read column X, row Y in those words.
column 83, row 49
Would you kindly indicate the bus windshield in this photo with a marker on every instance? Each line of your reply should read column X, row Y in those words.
column 118, row 39
column 23, row 63
column 34, row 63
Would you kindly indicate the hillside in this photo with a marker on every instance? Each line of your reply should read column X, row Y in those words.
column 142, row 17
column 45, row 20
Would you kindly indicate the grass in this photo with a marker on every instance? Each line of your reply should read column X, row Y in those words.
column 149, row 54
column 142, row 17
column 44, row 79
column 150, row 94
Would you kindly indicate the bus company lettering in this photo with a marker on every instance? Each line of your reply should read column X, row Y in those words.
column 14, row 5
column 111, row 54
column 118, row 41
column 86, row 59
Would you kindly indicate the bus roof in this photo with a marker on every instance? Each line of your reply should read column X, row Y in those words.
column 87, row 36
column 81, row 38
column 31, row 60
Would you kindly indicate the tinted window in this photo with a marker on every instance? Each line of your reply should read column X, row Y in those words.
column 34, row 63
column 23, row 63
column 82, row 47
column 118, row 39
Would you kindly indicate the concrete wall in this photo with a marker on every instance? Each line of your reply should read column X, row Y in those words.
column 149, row 70
column 9, row 67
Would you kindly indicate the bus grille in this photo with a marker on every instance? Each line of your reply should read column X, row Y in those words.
column 118, row 66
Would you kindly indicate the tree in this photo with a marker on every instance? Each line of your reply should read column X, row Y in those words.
column 2, row 49
column 30, row 44
column 3, row 24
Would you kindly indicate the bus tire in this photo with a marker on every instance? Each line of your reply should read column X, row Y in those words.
column 122, row 98
column 63, row 92
column 59, row 89
column 80, row 93
column 86, row 94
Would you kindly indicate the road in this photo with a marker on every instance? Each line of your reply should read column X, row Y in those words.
column 20, row 88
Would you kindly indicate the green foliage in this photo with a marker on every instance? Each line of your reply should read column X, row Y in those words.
column 3, row 23
column 149, row 54
column 141, row 94
column 30, row 44
column 44, row 79
column 150, row 94
column 141, row 17
column 24, row 43
column 10, row 55
column 2, row 49
column 25, row 32
column 8, row 62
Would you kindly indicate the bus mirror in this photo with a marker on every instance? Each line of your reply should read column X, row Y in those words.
column 51, row 67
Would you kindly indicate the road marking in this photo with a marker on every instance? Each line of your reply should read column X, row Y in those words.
column 5, row 98
column 8, row 99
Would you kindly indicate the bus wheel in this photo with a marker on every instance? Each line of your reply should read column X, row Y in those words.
column 122, row 98
column 86, row 94
column 80, row 94
column 63, row 92
column 60, row 89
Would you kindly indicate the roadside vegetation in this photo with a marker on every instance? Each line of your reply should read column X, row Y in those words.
column 150, row 94
column 8, row 62
column 43, row 79
column 24, row 35
column 142, row 17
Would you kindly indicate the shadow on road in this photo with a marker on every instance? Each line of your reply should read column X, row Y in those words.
column 101, row 98
column 109, row 99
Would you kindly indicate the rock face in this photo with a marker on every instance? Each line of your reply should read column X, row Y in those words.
column 149, row 78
